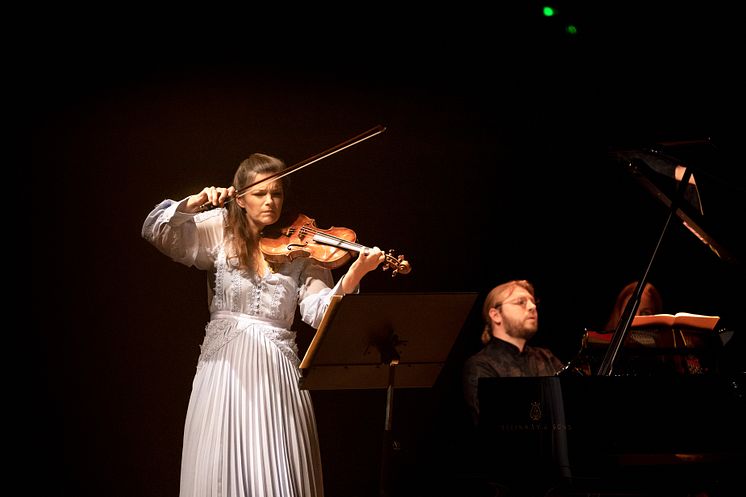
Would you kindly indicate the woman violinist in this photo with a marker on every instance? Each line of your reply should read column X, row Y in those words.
column 249, row 429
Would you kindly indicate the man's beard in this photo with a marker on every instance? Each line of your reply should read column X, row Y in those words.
column 520, row 328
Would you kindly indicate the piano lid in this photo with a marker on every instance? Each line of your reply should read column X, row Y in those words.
column 713, row 208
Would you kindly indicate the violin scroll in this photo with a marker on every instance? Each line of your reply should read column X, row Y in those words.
column 397, row 264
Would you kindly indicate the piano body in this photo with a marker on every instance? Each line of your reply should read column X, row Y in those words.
column 652, row 351
column 677, row 435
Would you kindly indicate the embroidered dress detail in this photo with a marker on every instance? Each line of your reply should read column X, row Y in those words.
column 220, row 270
column 224, row 326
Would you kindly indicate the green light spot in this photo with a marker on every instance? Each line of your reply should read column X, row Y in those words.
column 571, row 29
column 548, row 11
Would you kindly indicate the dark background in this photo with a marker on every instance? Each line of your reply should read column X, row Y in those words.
column 494, row 166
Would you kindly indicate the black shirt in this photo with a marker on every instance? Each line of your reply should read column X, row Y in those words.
column 500, row 358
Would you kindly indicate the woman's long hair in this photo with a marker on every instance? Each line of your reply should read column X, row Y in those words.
column 241, row 239
column 650, row 294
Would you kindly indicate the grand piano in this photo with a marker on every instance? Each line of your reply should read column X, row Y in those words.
column 620, row 419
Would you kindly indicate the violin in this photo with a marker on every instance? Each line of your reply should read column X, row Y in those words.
column 330, row 248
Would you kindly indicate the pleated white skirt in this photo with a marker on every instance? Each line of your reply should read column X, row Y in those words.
column 250, row 431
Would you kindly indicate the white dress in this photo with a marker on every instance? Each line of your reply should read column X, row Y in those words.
column 249, row 430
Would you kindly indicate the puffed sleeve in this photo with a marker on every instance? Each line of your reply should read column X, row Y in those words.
column 187, row 238
column 315, row 293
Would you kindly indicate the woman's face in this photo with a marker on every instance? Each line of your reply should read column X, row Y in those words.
column 647, row 304
column 263, row 204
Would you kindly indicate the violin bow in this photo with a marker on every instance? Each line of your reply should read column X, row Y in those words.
column 304, row 163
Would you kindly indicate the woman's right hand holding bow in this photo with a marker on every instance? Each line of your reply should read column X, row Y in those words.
column 213, row 195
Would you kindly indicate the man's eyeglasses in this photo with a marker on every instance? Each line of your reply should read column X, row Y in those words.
column 522, row 302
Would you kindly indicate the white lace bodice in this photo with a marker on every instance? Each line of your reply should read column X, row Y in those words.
column 198, row 240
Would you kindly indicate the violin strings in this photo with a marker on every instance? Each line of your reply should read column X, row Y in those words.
column 314, row 231
column 304, row 230
column 309, row 229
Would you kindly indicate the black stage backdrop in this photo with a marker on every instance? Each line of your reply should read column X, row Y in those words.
column 493, row 166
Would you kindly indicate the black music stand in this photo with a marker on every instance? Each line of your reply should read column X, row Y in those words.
column 377, row 341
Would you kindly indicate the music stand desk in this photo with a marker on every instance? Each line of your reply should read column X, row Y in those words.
column 385, row 340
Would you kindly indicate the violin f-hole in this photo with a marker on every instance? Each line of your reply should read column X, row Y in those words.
column 291, row 246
